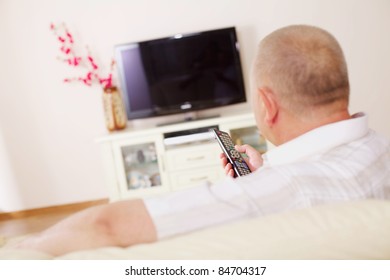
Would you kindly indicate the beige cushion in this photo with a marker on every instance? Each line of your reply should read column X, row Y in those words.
column 353, row 230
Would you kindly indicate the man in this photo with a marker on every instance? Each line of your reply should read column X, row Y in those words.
column 300, row 98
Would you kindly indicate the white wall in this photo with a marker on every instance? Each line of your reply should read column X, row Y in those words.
column 47, row 150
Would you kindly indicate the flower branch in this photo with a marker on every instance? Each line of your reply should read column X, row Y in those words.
column 70, row 57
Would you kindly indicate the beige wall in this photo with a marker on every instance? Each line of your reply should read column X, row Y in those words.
column 47, row 128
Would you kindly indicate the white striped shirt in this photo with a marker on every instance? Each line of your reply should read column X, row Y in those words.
column 337, row 162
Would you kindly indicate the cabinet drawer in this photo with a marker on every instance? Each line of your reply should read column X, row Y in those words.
column 190, row 178
column 190, row 157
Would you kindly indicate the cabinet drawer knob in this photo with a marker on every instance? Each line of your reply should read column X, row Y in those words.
column 195, row 158
column 199, row 178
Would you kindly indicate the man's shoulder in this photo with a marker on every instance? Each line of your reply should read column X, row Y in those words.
column 363, row 151
column 372, row 142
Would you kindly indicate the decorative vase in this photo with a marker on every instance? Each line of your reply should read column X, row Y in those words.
column 114, row 110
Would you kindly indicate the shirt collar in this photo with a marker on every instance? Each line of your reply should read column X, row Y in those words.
column 318, row 140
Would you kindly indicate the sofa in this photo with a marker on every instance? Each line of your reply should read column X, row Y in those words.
column 347, row 230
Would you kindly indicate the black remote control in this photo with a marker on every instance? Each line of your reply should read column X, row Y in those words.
column 236, row 160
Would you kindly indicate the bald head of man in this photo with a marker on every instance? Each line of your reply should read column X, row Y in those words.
column 299, row 82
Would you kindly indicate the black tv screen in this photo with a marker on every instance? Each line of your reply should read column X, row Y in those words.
column 185, row 72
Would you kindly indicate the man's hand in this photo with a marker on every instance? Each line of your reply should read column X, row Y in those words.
column 254, row 160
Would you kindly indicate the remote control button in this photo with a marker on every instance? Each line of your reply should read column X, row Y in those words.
column 234, row 153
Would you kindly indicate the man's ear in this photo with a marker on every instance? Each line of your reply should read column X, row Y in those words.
column 271, row 106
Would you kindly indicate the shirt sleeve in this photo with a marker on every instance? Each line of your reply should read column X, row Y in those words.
column 199, row 207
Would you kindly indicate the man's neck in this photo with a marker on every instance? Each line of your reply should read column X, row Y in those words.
column 297, row 127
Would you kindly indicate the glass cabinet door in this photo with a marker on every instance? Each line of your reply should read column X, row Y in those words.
column 140, row 169
column 141, row 166
column 249, row 135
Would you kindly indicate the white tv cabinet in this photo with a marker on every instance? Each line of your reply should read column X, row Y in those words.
column 149, row 161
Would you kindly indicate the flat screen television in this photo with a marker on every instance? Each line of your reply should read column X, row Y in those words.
column 181, row 73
